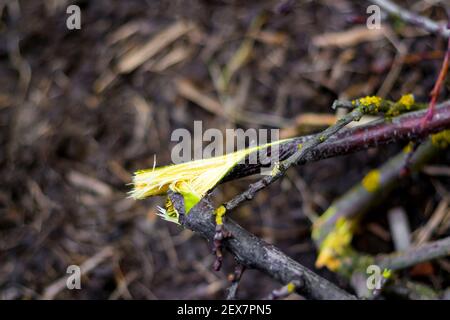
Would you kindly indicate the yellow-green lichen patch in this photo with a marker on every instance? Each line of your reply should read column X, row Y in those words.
column 275, row 170
column 407, row 100
column 371, row 181
column 369, row 104
column 387, row 273
column 319, row 222
column 408, row 148
column 335, row 245
column 370, row 100
column 290, row 287
column 441, row 140
column 404, row 104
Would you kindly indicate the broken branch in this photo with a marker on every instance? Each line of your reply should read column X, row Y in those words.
column 253, row 252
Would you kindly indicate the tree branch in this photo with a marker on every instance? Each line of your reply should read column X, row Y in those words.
column 403, row 128
column 252, row 252
column 438, row 85
column 413, row 18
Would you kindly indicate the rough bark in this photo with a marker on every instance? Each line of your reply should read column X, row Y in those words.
column 255, row 253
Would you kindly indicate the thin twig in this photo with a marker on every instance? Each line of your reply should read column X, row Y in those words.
column 252, row 252
column 285, row 291
column 413, row 18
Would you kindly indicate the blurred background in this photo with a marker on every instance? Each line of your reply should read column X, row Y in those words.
column 81, row 110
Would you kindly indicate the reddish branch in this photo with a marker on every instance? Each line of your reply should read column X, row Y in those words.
column 438, row 85
column 358, row 200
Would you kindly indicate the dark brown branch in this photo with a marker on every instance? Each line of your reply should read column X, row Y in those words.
column 253, row 252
